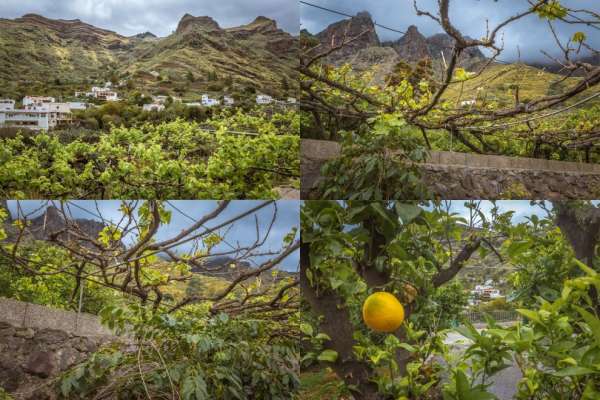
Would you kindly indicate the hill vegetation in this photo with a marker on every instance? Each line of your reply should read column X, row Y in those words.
column 58, row 57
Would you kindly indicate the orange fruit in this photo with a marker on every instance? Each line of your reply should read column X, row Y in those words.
column 382, row 312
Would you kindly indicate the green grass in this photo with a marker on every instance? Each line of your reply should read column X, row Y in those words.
column 322, row 385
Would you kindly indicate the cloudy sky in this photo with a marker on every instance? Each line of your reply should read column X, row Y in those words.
column 529, row 34
column 522, row 209
column 129, row 17
column 243, row 231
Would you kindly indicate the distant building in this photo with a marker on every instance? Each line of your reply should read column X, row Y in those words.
column 153, row 107
column 263, row 99
column 104, row 93
column 37, row 115
column 101, row 93
column 161, row 99
column 7, row 104
column 207, row 101
column 37, row 100
column 228, row 100
column 486, row 291
column 291, row 100
column 467, row 103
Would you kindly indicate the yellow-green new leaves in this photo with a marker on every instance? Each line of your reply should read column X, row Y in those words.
column 461, row 74
column 108, row 235
column 552, row 10
column 579, row 37
column 169, row 160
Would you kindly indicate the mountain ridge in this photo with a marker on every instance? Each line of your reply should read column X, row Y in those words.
column 412, row 47
column 199, row 56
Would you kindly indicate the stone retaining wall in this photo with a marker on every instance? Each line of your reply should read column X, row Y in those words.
column 451, row 175
column 38, row 343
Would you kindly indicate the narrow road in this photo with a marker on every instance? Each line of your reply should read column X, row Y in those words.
column 505, row 381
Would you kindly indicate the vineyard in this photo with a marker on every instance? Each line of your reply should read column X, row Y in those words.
column 375, row 99
column 234, row 155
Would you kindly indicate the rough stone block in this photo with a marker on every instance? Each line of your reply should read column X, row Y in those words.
column 89, row 325
column 12, row 312
column 41, row 317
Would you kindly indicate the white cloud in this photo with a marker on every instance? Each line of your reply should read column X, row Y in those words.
column 129, row 17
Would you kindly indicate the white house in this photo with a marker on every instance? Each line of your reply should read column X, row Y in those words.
column 467, row 103
column 486, row 291
column 291, row 100
column 101, row 93
column 263, row 99
column 30, row 100
column 160, row 99
column 153, row 107
column 209, row 102
column 7, row 104
column 36, row 115
column 228, row 100
column 104, row 94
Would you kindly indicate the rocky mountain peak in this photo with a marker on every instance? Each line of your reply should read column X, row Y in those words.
column 262, row 20
column 146, row 35
column 361, row 25
column 413, row 30
column 261, row 25
column 412, row 47
column 444, row 43
column 188, row 23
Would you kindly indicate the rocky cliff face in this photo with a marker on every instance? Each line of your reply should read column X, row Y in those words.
column 75, row 29
column 443, row 43
column 276, row 40
column 411, row 47
column 52, row 222
column 190, row 23
column 335, row 34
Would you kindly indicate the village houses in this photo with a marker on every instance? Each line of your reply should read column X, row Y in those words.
column 207, row 101
column 263, row 99
column 37, row 113
column 101, row 93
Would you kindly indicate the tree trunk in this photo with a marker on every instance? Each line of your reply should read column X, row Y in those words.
column 581, row 227
column 337, row 325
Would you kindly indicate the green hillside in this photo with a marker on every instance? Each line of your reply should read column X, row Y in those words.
column 56, row 57
column 498, row 83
